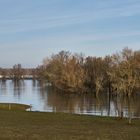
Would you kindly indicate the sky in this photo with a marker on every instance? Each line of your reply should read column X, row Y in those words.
column 31, row 30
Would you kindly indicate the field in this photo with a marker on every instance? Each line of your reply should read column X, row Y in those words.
column 21, row 125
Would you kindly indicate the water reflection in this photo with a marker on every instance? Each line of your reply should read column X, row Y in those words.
column 45, row 98
column 18, row 87
column 3, row 87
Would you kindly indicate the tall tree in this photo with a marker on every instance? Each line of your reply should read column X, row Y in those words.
column 65, row 71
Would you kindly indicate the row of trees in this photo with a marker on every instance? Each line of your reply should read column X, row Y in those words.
column 16, row 73
column 119, row 73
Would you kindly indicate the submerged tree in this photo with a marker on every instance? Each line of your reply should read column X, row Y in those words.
column 124, row 74
column 65, row 71
column 119, row 73
column 95, row 69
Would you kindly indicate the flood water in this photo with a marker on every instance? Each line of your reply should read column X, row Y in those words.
column 43, row 97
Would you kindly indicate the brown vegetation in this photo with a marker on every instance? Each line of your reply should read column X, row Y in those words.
column 73, row 73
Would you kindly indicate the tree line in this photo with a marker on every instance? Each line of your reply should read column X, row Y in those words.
column 74, row 73
column 17, row 72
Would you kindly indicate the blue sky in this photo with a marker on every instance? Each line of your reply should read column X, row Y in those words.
column 30, row 30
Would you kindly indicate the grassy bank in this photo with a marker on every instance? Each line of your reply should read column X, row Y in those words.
column 14, row 106
column 17, row 125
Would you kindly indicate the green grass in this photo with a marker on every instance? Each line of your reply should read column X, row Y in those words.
column 17, row 125
column 13, row 106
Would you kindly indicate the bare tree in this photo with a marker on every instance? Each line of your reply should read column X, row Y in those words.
column 124, row 74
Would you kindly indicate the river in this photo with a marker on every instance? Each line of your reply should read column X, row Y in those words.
column 44, row 98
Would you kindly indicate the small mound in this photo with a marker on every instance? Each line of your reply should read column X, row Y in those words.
column 14, row 106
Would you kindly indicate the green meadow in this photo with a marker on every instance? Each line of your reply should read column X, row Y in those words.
column 22, row 125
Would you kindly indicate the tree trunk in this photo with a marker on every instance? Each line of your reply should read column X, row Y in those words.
column 129, row 111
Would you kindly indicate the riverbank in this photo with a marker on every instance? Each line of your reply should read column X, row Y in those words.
column 17, row 125
column 14, row 106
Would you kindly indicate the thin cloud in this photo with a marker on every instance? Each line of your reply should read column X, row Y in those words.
column 9, row 26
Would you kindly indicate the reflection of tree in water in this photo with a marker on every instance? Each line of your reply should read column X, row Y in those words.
column 3, row 86
column 119, row 104
column 125, row 106
column 86, row 103
column 60, row 102
column 134, row 105
column 18, row 87
column 101, row 104
column 73, row 103
column 41, row 87
column 34, row 83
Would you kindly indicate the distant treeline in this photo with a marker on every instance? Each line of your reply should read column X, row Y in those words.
column 118, row 73
column 17, row 73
